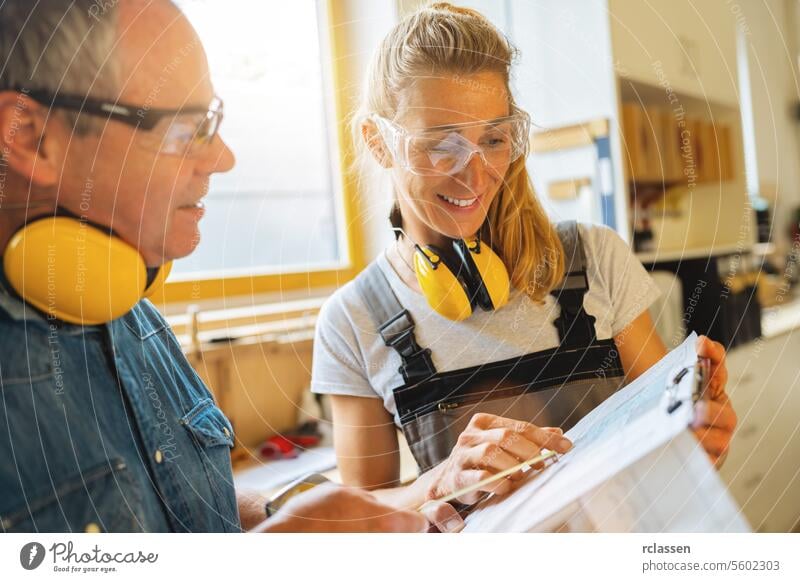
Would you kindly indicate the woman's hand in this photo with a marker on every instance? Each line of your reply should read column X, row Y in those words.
column 490, row 444
column 715, row 419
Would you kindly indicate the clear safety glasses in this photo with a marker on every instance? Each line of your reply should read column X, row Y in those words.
column 444, row 150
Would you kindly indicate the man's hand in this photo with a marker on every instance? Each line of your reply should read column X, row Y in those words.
column 331, row 508
column 715, row 418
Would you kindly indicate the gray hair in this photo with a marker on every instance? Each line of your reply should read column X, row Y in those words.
column 60, row 46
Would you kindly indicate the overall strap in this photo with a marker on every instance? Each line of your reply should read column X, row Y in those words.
column 575, row 326
column 394, row 323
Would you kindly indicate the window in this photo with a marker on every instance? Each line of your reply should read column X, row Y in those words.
column 279, row 210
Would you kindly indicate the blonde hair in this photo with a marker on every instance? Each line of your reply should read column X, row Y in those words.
column 445, row 38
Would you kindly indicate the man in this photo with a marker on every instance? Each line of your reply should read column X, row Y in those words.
column 106, row 427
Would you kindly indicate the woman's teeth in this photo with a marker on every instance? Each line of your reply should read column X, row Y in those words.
column 457, row 202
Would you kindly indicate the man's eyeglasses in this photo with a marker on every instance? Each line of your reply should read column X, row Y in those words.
column 181, row 132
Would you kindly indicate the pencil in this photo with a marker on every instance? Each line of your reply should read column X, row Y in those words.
column 489, row 480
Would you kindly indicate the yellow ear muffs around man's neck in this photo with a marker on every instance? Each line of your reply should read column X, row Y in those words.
column 75, row 272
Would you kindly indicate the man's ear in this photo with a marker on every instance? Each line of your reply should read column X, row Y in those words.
column 23, row 141
column 374, row 140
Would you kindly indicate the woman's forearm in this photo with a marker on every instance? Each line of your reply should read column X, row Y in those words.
column 409, row 496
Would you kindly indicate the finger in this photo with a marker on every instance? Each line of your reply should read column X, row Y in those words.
column 513, row 443
column 708, row 348
column 715, row 352
column 443, row 516
column 490, row 456
column 553, row 441
column 470, row 477
column 724, row 419
column 537, row 435
column 715, row 413
column 555, row 429
column 718, row 379
column 715, row 441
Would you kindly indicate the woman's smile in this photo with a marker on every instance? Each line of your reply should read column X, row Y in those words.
column 460, row 205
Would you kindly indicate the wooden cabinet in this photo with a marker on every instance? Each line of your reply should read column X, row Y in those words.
column 659, row 146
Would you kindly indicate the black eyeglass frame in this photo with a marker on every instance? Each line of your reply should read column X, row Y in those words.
column 134, row 115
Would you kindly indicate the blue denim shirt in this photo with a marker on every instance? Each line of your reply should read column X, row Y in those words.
column 107, row 427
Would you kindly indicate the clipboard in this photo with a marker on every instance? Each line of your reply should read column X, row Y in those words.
column 698, row 373
column 630, row 427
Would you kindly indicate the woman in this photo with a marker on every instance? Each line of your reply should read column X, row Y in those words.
column 403, row 346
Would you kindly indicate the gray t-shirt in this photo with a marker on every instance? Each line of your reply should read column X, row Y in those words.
column 350, row 356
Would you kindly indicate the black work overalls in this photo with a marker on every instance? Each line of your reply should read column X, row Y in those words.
column 554, row 387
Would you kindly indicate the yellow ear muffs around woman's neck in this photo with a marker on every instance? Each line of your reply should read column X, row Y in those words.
column 75, row 272
column 456, row 282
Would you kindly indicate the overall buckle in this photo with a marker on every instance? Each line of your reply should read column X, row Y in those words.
column 398, row 333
